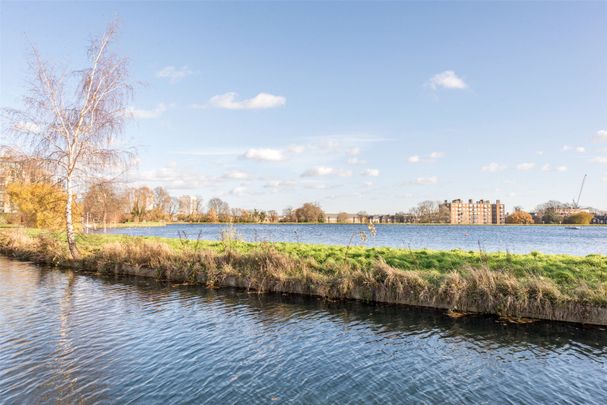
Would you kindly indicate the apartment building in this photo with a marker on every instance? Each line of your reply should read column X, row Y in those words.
column 480, row 212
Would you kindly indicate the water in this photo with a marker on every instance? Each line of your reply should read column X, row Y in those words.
column 516, row 239
column 68, row 338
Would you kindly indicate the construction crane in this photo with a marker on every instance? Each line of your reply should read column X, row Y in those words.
column 576, row 203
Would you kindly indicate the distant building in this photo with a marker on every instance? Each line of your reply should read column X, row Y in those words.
column 599, row 219
column 366, row 218
column 10, row 171
column 479, row 212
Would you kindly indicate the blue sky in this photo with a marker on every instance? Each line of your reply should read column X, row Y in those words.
column 357, row 106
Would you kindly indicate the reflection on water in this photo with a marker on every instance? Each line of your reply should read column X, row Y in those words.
column 69, row 338
column 515, row 239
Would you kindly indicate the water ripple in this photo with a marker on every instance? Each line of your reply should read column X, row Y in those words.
column 68, row 338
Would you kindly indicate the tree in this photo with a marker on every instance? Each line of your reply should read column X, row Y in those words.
column 142, row 200
column 343, row 217
column 103, row 203
column 70, row 121
column 362, row 216
column 580, row 218
column 310, row 212
column 551, row 216
column 162, row 200
column 212, row 215
column 41, row 205
column 519, row 217
column 427, row 212
column 288, row 215
column 272, row 216
column 221, row 208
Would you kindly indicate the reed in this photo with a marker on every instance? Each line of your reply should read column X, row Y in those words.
column 555, row 287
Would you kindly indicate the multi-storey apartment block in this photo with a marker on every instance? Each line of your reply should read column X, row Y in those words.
column 479, row 212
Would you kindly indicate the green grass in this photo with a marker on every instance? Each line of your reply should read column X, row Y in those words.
column 565, row 270
column 561, row 287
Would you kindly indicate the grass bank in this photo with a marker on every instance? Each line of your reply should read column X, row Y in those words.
column 553, row 287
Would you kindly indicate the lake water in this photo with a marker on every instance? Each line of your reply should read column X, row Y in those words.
column 68, row 338
column 516, row 239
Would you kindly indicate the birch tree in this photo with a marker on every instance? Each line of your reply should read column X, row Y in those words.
column 71, row 120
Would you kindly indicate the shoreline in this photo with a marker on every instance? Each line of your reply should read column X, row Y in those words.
column 163, row 224
column 550, row 287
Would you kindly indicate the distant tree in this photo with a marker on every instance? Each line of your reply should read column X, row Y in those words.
column 221, row 209
column 552, row 205
column 212, row 215
column 580, row 218
column 551, row 216
column 342, row 217
column 142, row 200
column 70, row 121
column 273, row 216
column 519, row 217
column 310, row 212
column 103, row 203
column 162, row 200
column 362, row 216
column 288, row 215
column 41, row 205
column 426, row 212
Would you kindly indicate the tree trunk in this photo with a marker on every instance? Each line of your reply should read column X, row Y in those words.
column 71, row 239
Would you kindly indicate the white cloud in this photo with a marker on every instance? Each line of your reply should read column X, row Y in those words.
column 525, row 166
column 426, row 159
column 447, row 80
column 174, row 74
column 316, row 186
column 238, row 191
column 272, row 155
column 276, row 185
column 599, row 159
column 27, row 127
column 321, row 171
column 368, row 183
column 174, row 178
column 493, row 167
column 355, row 161
column 296, row 149
column 549, row 168
column 579, row 149
column 370, row 173
column 600, row 136
column 147, row 114
column 236, row 175
column 259, row 102
column 426, row 180
column 353, row 152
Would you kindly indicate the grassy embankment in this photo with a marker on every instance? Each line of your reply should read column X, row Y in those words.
column 556, row 287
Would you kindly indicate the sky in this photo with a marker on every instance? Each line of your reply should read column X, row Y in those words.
column 357, row 106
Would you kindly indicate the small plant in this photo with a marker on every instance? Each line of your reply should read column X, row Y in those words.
column 229, row 235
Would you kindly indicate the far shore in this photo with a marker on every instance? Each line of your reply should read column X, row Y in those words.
column 161, row 224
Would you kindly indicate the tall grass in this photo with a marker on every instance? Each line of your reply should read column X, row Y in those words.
column 554, row 287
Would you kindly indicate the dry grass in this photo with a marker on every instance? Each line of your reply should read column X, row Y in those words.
column 264, row 268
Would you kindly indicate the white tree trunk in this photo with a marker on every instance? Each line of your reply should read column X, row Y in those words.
column 71, row 239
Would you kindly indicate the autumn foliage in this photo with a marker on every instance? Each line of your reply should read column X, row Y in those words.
column 519, row 217
column 41, row 205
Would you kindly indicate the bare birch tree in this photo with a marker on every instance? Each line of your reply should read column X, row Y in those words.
column 71, row 120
